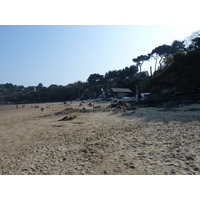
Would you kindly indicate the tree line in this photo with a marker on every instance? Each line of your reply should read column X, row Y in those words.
column 176, row 68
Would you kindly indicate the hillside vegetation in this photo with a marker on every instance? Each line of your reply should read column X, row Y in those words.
column 177, row 71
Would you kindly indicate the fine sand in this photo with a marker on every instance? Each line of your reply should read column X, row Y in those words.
column 145, row 141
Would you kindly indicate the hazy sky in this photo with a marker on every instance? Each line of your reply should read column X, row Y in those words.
column 60, row 55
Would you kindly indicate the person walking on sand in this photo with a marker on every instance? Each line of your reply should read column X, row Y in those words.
column 42, row 109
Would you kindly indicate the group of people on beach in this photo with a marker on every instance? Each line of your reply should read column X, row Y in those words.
column 23, row 106
column 36, row 106
column 67, row 104
column 42, row 108
column 47, row 106
column 89, row 105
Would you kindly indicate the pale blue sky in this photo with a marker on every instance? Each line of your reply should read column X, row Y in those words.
column 60, row 55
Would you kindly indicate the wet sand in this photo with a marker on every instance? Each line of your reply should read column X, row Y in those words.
column 146, row 141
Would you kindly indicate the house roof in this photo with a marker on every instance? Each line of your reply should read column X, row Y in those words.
column 121, row 90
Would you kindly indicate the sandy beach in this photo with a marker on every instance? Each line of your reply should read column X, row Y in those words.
column 147, row 141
